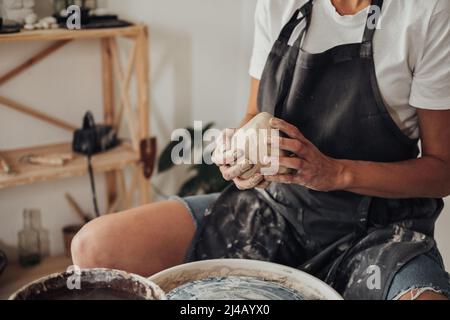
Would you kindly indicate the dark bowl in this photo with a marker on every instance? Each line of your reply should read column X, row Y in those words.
column 91, row 284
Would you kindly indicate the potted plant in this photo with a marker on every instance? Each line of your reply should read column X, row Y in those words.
column 3, row 261
column 203, row 178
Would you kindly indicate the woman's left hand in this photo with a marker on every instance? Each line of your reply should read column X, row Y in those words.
column 309, row 167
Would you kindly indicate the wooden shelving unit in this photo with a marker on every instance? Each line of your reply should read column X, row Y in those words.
column 111, row 163
column 63, row 34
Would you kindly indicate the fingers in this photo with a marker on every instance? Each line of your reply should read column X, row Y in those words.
column 287, row 162
column 223, row 155
column 231, row 173
column 263, row 185
column 287, row 128
column 294, row 146
column 250, row 173
column 282, row 178
column 229, row 157
column 294, row 164
column 227, row 137
column 303, row 178
column 250, row 183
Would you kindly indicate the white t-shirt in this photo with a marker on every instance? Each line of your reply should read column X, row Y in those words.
column 412, row 49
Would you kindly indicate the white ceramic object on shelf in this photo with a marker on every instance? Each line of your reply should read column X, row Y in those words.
column 31, row 18
column 29, row 27
column 18, row 10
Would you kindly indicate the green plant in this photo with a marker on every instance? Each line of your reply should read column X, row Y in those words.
column 203, row 178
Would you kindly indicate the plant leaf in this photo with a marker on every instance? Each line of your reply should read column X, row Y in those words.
column 208, row 126
column 190, row 187
column 165, row 159
column 165, row 162
column 211, row 179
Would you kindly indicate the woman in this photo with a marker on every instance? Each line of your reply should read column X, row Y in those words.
column 358, row 208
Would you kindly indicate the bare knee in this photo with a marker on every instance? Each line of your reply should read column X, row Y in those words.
column 143, row 240
column 89, row 250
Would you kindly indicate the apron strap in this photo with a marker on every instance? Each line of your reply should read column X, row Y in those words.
column 369, row 31
column 306, row 11
column 294, row 22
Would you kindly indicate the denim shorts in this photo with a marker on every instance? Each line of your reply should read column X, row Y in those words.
column 424, row 273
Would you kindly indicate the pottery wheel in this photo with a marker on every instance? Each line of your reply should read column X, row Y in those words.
column 233, row 288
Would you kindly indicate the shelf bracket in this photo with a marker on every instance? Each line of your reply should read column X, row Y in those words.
column 32, row 61
column 37, row 114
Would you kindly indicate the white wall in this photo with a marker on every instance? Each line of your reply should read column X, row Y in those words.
column 199, row 72
column 61, row 87
column 199, row 56
column 65, row 85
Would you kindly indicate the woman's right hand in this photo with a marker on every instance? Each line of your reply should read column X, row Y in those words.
column 232, row 164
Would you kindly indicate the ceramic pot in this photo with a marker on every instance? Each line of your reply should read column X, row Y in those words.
column 306, row 285
column 91, row 284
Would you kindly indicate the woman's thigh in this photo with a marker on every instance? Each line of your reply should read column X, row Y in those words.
column 143, row 240
column 197, row 205
column 423, row 275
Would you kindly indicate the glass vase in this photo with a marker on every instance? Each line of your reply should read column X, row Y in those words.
column 29, row 247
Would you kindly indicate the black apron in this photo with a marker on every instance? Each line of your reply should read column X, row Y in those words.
column 354, row 243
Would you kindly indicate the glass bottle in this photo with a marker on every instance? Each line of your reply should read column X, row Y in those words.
column 44, row 235
column 29, row 247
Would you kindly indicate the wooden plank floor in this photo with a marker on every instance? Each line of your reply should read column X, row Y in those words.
column 15, row 276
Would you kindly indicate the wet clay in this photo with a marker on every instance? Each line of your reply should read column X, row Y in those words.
column 87, row 294
column 93, row 284
column 256, row 133
column 233, row 288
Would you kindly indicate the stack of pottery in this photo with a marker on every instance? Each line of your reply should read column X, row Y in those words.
column 18, row 10
column 31, row 23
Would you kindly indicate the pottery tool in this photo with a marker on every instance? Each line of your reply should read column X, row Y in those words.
column 5, row 167
column 52, row 160
column 77, row 209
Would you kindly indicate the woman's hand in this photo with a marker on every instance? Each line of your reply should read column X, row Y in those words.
column 309, row 167
column 233, row 165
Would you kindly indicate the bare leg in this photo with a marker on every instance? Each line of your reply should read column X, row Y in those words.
column 143, row 240
column 426, row 296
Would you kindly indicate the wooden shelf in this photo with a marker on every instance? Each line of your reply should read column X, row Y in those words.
column 64, row 34
column 26, row 173
column 114, row 113
column 16, row 277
